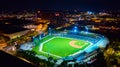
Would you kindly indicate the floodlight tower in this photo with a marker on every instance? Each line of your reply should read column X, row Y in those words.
column 49, row 31
column 86, row 28
column 75, row 29
column 40, row 37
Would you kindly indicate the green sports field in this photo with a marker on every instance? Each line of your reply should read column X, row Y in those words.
column 59, row 46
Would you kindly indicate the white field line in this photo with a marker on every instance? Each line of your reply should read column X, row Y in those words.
column 41, row 45
column 82, row 46
column 85, row 48
column 40, row 49
column 89, row 45
column 81, row 50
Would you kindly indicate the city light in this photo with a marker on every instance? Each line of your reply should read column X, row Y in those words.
column 89, row 12
column 49, row 36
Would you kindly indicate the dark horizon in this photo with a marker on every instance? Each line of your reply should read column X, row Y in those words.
column 93, row 5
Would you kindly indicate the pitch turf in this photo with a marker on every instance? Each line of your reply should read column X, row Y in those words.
column 59, row 46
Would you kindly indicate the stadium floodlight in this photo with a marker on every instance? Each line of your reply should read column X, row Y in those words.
column 75, row 27
column 86, row 28
column 49, row 31
column 75, row 30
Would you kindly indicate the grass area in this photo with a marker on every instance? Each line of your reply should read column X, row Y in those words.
column 38, row 42
column 59, row 46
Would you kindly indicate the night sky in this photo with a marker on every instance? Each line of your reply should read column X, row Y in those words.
column 60, row 4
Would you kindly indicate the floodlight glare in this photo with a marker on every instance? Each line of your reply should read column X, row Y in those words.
column 75, row 30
